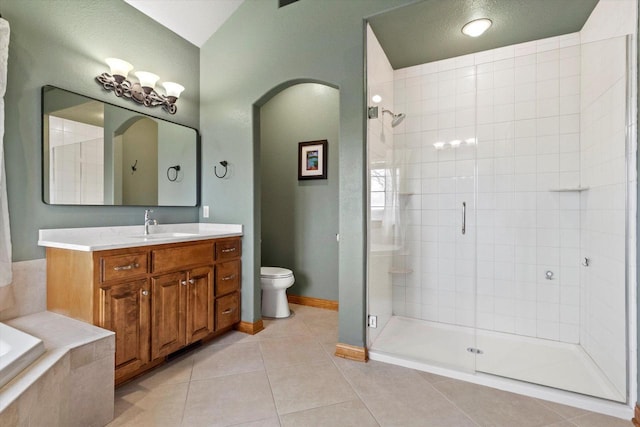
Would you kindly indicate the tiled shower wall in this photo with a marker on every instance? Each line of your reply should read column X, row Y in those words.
column 604, row 172
column 516, row 109
column 77, row 157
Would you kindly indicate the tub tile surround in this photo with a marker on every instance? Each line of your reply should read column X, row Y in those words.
column 71, row 384
column 326, row 390
column 29, row 288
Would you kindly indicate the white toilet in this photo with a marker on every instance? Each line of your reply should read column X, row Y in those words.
column 274, row 282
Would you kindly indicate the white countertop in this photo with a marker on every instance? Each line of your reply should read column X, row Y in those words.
column 104, row 238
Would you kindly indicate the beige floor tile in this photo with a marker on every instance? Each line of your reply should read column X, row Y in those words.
column 561, row 424
column 279, row 328
column 599, row 420
column 268, row 422
column 287, row 351
column 398, row 396
column 433, row 378
column 229, row 400
column 373, row 378
column 234, row 337
column 323, row 328
column 564, row 410
column 346, row 414
column 310, row 385
column 174, row 372
column 220, row 360
column 492, row 407
column 138, row 406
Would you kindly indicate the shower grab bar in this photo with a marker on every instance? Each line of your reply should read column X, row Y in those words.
column 464, row 217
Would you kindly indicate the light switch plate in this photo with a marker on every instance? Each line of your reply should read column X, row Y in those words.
column 205, row 211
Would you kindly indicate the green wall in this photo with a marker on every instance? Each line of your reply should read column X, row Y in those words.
column 300, row 218
column 261, row 48
column 64, row 43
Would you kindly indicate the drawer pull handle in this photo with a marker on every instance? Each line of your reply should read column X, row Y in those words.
column 229, row 277
column 228, row 311
column 224, row 251
column 126, row 267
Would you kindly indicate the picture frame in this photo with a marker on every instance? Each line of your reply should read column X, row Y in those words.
column 312, row 160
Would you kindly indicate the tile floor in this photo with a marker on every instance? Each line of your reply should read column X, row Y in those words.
column 287, row 376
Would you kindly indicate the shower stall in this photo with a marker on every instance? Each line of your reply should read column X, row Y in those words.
column 501, row 227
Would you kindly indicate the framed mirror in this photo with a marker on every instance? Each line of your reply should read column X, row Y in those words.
column 95, row 153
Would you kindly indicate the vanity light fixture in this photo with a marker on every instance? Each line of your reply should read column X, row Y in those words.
column 143, row 91
column 477, row 27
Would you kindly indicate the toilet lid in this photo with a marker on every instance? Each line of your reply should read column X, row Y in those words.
column 275, row 272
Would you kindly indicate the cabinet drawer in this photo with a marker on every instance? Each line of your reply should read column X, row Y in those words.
column 227, row 310
column 125, row 266
column 228, row 249
column 181, row 257
column 227, row 277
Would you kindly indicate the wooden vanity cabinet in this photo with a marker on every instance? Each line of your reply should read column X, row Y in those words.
column 157, row 299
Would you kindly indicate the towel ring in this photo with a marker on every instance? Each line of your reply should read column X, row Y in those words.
column 224, row 164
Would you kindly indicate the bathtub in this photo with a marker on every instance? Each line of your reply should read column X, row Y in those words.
column 17, row 351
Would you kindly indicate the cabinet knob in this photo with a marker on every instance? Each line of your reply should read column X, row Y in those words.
column 192, row 281
column 145, row 292
column 183, row 282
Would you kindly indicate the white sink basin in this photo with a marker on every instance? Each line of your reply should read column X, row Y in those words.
column 152, row 236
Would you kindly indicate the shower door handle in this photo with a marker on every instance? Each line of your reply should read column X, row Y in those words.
column 464, row 217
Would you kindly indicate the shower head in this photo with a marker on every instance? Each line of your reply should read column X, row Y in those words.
column 397, row 118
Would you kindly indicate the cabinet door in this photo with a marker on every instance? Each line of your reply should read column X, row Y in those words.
column 168, row 313
column 125, row 311
column 199, row 303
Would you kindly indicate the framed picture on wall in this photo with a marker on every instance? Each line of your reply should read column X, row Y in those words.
column 312, row 160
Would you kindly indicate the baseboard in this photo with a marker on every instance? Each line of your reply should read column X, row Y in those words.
column 636, row 416
column 250, row 328
column 313, row 302
column 352, row 352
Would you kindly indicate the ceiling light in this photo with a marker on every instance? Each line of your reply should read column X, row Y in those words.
column 476, row 27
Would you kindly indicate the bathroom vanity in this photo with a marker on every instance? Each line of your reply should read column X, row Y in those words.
column 159, row 292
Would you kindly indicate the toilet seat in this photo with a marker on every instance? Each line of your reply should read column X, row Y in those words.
column 275, row 272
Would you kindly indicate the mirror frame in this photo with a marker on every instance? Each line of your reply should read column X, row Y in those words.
column 44, row 169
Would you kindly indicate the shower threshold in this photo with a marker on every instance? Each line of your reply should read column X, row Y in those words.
column 443, row 349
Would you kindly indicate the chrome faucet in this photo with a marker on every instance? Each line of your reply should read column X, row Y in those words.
column 148, row 221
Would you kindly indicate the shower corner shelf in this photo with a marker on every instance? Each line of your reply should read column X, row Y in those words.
column 400, row 271
column 568, row 189
column 407, row 194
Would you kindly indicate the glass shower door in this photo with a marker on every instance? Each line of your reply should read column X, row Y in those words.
column 552, row 280
column 428, row 213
